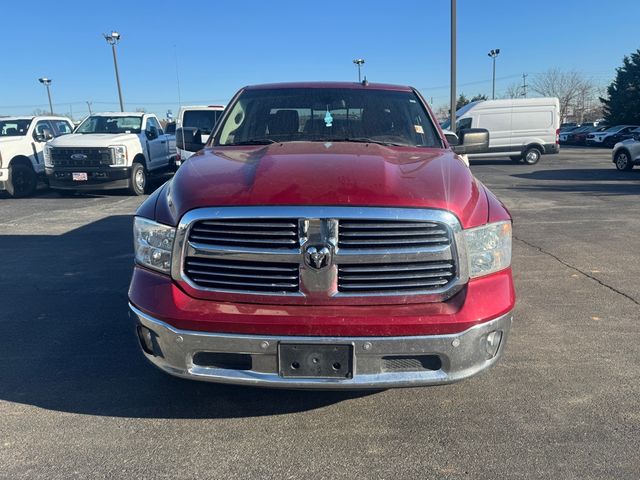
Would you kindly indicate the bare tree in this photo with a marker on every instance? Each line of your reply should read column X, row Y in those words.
column 571, row 88
column 513, row 91
column 442, row 113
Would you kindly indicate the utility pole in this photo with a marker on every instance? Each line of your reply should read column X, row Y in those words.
column 524, row 85
column 112, row 39
column 452, row 105
column 89, row 106
column 47, row 83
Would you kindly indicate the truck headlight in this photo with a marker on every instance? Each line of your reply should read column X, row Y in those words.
column 48, row 162
column 488, row 248
column 153, row 243
column 118, row 155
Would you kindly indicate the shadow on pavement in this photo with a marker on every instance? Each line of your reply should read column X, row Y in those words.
column 67, row 343
column 597, row 181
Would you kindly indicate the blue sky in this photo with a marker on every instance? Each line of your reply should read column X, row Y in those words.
column 223, row 45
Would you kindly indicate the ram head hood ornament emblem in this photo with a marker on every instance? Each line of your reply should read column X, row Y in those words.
column 317, row 257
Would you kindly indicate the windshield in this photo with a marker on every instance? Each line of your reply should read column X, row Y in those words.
column 204, row 120
column 106, row 124
column 263, row 116
column 14, row 128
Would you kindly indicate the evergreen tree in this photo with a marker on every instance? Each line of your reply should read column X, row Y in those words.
column 623, row 103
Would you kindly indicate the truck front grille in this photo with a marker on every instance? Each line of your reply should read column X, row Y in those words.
column 367, row 234
column 247, row 233
column 258, row 277
column 320, row 254
column 394, row 277
column 84, row 157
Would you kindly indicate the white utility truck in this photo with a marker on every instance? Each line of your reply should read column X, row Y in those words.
column 22, row 141
column 110, row 151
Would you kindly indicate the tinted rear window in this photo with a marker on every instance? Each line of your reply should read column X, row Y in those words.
column 204, row 120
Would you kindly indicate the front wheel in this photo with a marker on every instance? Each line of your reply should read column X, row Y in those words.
column 138, row 179
column 532, row 156
column 23, row 181
column 623, row 161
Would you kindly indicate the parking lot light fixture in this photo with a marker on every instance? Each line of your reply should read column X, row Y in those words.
column 47, row 83
column 493, row 54
column 112, row 39
column 359, row 62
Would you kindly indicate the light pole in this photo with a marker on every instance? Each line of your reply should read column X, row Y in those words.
column 112, row 39
column 47, row 82
column 359, row 62
column 493, row 54
column 452, row 105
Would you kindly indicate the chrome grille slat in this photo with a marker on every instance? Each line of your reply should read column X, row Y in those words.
column 397, row 267
column 244, row 285
column 402, row 276
column 394, row 285
column 386, row 224
column 225, row 223
column 279, row 233
column 235, row 240
column 193, row 271
column 239, row 267
column 368, row 242
column 411, row 232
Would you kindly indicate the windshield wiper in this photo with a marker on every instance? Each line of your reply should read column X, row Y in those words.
column 364, row 140
column 255, row 141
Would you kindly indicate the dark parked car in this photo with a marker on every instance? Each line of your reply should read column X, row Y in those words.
column 608, row 138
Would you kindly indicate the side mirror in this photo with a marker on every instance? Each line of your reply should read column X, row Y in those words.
column 451, row 137
column 152, row 132
column 43, row 137
column 189, row 139
column 472, row 140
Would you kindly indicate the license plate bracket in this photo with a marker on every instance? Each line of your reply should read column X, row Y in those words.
column 79, row 176
column 307, row 360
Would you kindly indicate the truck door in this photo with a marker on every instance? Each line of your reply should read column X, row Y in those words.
column 42, row 133
column 157, row 146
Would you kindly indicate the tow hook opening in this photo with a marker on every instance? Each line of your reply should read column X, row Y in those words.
column 145, row 337
column 492, row 344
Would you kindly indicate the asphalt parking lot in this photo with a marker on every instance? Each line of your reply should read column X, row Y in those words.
column 77, row 399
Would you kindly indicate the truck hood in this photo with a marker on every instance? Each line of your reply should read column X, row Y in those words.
column 314, row 173
column 92, row 139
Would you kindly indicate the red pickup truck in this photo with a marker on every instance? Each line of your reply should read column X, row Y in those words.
column 327, row 236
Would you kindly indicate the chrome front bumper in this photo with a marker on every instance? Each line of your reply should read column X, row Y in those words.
column 460, row 356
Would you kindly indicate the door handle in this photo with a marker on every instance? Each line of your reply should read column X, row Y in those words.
column 163, row 141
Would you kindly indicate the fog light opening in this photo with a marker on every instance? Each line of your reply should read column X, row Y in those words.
column 493, row 343
column 146, row 339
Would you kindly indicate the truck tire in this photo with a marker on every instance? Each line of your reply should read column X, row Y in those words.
column 531, row 156
column 516, row 158
column 23, row 181
column 138, row 179
column 623, row 161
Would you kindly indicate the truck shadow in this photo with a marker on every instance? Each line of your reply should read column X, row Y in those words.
column 594, row 181
column 68, row 344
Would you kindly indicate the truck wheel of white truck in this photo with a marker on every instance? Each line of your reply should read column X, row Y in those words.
column 138, row 180
column 23, row 181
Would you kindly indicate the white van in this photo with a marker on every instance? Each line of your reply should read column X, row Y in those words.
column 522, row 129
column 204, row 118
